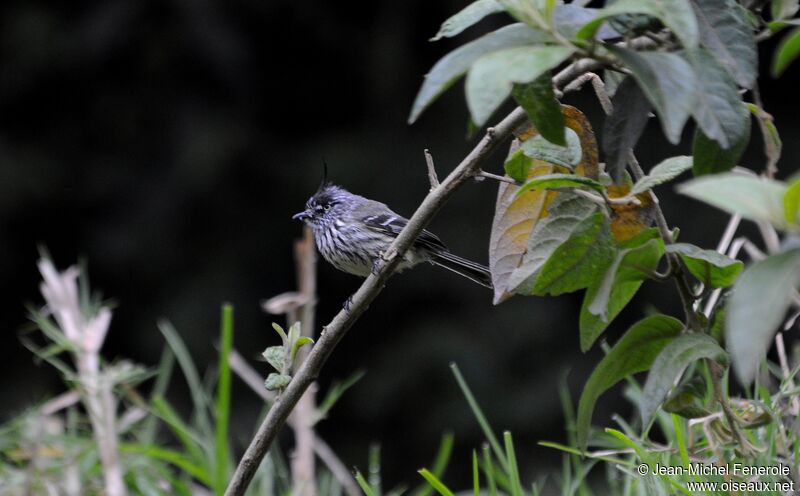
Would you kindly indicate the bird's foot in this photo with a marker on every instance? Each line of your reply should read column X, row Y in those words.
column 348, row 303
column 377, row 265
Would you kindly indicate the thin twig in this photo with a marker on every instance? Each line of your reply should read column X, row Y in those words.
column 254, row 380
column 374, row 283
column 497, row 177
column 432, row 177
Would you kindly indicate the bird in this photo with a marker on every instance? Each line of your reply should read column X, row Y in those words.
column 353, row 232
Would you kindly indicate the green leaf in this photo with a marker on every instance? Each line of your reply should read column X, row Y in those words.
column 687, row 399
column 491, row 77
column 439, row 463
column 580, row 260
column 517, row 166
column 675, row 14
column 633, row 353
column 435, row 482
column 784, row 9
column 365, row 486
column 711, row 158
column 276, row 357
column 544, row 111
column 604, row 300
column 456, row 63
column 222, row 455
column 466, row 17
column 513, row 469
column 773, row 146
column 555, row 181
column 567, row 215
column 567, row 156
column 623, row 128
column 718, row 109
column 791, row 202
column 670, row 364
column 754, row 198
column 665, row 171
column 280, row 331
column 299, row 343
column 277, row 381
column 726, row 32
column 756, row 308
column 787, row 51
column 708, row 266
column 668, row 81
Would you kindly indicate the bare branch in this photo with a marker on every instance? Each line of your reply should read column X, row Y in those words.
column 374, row 283
column 304, row 480
column 256, row 383
column 432, row 177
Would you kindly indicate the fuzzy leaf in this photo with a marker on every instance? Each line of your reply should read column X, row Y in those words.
column 275, row 356
column 754, row 198
column 665, row 171
column 544, row 111
column 622, row 129
column 670, row 364
column 466, row 17
column 634, row 352
column 711, row 267
column 568, row 156
column 632, row 264
column 277, row 381
column 299, row 343
column 490, row 80
column 726, row 32
column 718, row 109
column 756, row 308
column 514, row 218
column 579, row 261
column 566, row 216
column 570, row 18
column 456, row 63
column 675, row 14
column 711, row 158
column 668, row 81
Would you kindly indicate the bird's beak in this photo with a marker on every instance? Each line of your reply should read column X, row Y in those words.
column 301, row 215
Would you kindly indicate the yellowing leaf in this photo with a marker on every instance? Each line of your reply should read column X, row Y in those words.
column 514, row 218
column 628, row 220
column 575, row 120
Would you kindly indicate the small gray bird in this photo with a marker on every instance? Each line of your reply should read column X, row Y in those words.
column 352, row 232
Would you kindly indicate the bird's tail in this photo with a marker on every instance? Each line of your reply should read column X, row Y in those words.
column 471, row 270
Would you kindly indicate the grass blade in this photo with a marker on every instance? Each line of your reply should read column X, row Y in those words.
column 488, row 470
column 435, row 482
column 480, row 417
column 223, row 400
column 513, row 470
column 199, row 397
column 368, row 490
column 439, row 462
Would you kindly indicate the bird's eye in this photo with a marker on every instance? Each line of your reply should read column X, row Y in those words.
column 327, row 207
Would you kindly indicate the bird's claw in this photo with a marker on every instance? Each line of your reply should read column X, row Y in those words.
column 348, row 303
column 377, row 265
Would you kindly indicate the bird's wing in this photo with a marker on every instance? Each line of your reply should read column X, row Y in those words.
column 393, row 224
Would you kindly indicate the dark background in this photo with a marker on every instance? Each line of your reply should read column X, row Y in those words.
column 170, row 142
